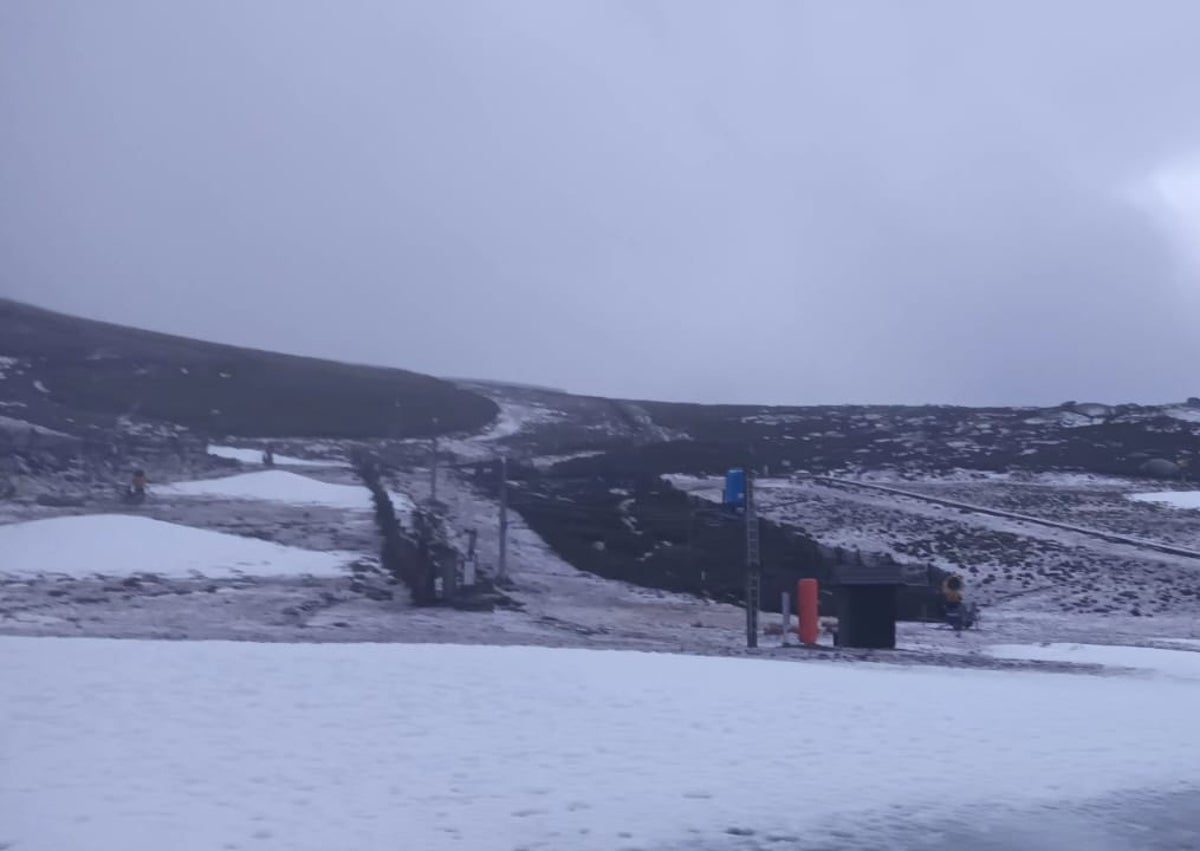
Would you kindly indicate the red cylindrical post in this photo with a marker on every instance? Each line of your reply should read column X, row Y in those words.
column 806, row 603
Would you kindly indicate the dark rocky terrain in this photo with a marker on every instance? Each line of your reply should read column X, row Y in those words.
column 90, row 378
column 82, row 403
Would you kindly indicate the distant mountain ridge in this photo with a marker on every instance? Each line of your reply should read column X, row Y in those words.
column 57, row 370
column 67, row 373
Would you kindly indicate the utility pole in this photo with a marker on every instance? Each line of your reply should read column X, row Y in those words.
column 469, row 565
column 502, row 562
column 433, row 463
column 753, row 567
column 433, row 468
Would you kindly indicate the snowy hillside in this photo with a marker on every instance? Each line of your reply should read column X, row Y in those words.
column 89, row 378
column 1074, row 561
column 350, row 648
column 625, row 490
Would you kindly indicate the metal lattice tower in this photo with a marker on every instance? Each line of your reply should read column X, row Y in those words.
column 753, row 565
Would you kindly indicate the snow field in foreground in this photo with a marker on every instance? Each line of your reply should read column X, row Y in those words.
column 141, row 745
column 284, row 487
column 122, row 545
column 1183, row 662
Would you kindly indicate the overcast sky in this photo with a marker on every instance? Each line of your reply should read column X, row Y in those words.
column 789, row 202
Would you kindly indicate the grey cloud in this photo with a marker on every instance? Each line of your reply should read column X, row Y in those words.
column 773, row 202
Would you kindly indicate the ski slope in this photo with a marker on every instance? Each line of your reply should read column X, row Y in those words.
column 194, row 746
column 125, row 545
column 281, row 486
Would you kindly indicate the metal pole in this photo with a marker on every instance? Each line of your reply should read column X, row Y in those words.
column 502, row 564
column 752, row 563
column 469, row 563
column 433, row 469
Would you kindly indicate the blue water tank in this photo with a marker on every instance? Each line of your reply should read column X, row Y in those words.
column 735, row 488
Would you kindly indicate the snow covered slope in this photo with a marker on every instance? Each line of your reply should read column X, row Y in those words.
column 123, row 545
column 1182, row 662
column 281, row 486
column 1175, row 499
column 194, row 746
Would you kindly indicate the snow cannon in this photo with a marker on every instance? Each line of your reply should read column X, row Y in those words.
column 136, row 492
column 959, row 615
column 952, row 588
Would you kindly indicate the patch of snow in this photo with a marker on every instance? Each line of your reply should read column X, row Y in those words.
column 1076, row 480
column 1187, row 415
column 282, row 486
column 514, row 418
column 234, row 453
column 130, row 426
column 122, row 545
column 13, row 405
column 1066, row 419
column 967, row 476
column 545, row 462
column 1186, row 643
column 693, row 484
column 1183, row 664
column 248, row 455
column 201, row 745
column 40, row 387
column 1175, row 499
column 11, row 424
column 630, row 523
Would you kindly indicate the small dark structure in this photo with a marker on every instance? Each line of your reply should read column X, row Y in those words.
column 867, row 604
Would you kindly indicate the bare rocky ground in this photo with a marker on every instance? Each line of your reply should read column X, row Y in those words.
column 554, row 604
column 1036, row 583
column 1011, row 564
